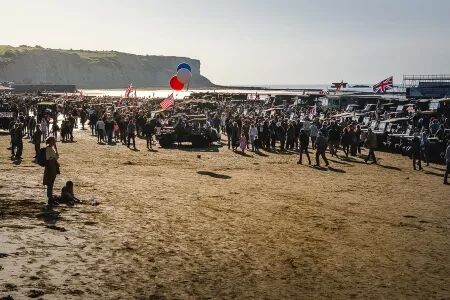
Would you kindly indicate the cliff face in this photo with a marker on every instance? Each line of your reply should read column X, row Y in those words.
column 92, row 69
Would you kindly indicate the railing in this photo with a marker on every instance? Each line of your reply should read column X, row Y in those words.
column 443, row 77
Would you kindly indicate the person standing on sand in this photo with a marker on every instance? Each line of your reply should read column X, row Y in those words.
column 131, row 133
column 314, row 133
column 253, row 134
column 51, row 168
column 345, row 141
column 447, row 160
column 44, row 128
column 100, row 126
column 37, row 139
column 321, row 147
column 243, row 142
column 234, row 136
column 371, row 143
column 304, row 142
column 416, row 152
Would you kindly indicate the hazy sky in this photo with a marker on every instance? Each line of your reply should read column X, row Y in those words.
column 250, row 41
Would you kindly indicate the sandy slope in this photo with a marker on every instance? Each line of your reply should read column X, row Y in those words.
column 172, row 225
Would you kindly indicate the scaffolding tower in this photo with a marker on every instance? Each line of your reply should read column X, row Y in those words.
column 426, row 86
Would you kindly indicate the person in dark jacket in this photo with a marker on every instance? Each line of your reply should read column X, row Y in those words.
column 333, row 138
column 281, row 135
column 321, row 147
column 17, row 141
column 371, row 144
column 345, row 141
column 447, row 161
column 131, row 133
column 37, row 139
column 93, row 122
column 304, row 142
column 147, row 130
column 67, row 194
column 235, row 136
column 416, row 152
column 109, row 129
column 290, row 135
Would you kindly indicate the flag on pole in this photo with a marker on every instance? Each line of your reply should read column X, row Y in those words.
column 384, row 85
column 339, row 86
column 168, row 102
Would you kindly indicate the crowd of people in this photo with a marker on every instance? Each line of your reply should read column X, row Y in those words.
column 248, row 126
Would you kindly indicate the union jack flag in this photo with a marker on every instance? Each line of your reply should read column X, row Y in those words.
column 383, row 86
column 168, row 102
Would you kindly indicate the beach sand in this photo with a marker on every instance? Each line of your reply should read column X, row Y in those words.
column 173, row 224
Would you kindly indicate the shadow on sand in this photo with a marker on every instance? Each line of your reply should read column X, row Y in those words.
column 214, row 175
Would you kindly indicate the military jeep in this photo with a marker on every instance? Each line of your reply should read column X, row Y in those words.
column 191, row 129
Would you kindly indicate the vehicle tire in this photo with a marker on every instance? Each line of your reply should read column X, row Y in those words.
column 166, row 140
column 199, row 141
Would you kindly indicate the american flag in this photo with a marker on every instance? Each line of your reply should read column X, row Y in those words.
column 168, row 102
column 383, row 86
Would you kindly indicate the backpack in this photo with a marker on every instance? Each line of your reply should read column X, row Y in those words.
column 41, row 158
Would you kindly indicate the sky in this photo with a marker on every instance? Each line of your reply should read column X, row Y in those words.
column 250, row 42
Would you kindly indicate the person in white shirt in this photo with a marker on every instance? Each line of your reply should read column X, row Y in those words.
column 447, row 160
column 253, row 134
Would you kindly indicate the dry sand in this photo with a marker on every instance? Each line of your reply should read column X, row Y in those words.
column 171, row 224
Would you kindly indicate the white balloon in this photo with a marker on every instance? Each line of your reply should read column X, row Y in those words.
column 184, row 75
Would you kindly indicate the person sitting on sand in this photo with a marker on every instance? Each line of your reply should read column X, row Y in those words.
column 67, row 194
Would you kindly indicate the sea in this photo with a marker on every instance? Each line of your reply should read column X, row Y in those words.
column 267, row 89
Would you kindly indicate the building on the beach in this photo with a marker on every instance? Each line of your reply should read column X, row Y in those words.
column 426, row 86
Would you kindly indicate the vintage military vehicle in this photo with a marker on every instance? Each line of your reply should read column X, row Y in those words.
column 188, row 129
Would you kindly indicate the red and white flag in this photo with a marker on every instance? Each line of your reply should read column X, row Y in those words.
column 168, row 102
column 383, row 86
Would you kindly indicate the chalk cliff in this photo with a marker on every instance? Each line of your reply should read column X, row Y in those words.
column 92, row 69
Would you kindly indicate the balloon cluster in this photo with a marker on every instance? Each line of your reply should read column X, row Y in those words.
column 184, row 75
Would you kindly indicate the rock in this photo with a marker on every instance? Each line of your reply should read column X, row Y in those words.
column 35, row 293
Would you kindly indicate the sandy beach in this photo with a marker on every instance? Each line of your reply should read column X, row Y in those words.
column 182, row 223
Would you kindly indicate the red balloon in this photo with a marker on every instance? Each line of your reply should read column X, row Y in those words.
column 175, row 84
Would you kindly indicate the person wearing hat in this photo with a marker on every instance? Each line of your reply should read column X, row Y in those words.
column 51, row 167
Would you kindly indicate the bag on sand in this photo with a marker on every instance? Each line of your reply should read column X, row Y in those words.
column 40, row 158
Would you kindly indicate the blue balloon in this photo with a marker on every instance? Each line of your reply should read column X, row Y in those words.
column 184, row 66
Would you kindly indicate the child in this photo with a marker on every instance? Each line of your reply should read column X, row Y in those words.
column 243, row 143
column 67, row 195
